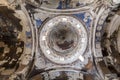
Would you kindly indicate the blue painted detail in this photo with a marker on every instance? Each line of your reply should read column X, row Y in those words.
column 82, row 16
column 60, row 5
column 67, row 6
column 38, row 23
column 88, row 22
column 28, row 34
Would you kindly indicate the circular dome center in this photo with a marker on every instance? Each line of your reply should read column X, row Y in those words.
column 63, row 37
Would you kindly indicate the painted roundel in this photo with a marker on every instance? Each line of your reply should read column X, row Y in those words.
column 63, row 39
